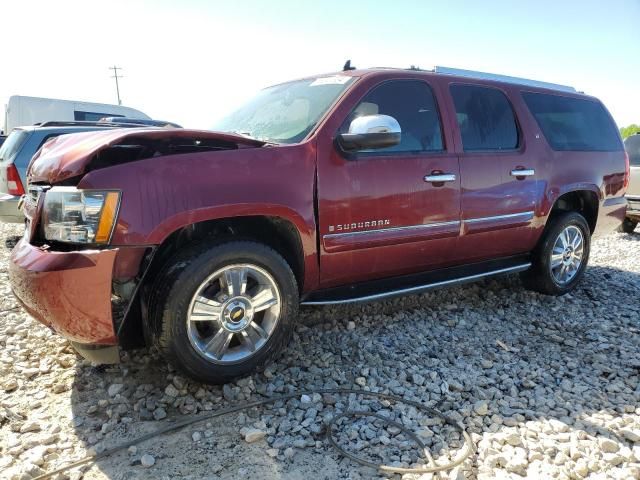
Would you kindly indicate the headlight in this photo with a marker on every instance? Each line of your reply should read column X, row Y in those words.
column 80, row 216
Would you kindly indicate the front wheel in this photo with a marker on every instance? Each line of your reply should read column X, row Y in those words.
column 226, row 310
column 561, row 257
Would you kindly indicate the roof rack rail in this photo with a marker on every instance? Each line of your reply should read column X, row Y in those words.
column 502, row 78
column 72, row 123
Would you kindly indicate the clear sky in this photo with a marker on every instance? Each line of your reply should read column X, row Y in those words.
column 191, row 61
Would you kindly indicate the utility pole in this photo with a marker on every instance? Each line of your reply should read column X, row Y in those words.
column 116, row 76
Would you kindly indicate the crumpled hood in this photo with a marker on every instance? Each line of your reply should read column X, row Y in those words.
column 69, row 156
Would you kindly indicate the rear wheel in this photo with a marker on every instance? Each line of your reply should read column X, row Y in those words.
column 226, row 310
column 628, row 225
column 561, row 257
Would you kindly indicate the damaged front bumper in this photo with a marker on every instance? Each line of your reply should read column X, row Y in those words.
column 71, row 292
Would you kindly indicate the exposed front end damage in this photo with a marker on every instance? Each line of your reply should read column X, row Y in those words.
column 68, row 291
column 65, row 158
column 85, row 296
column 86, row 293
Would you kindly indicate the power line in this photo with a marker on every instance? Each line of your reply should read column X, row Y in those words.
column 116, row 76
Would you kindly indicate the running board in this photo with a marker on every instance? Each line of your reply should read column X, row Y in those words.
column 416, row 283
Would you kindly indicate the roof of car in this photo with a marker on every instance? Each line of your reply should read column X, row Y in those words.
column 458, row 74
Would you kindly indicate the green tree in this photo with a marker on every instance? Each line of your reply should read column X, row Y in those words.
column 630, row 130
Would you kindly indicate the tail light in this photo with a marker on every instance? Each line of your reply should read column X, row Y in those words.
column 13, row 181
column 627, row 170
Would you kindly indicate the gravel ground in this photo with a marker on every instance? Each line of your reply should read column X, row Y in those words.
column 547, row 387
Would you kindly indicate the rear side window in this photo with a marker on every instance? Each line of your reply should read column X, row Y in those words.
column 485, row 118
column 632, row 146
column 13, row 144
column 412, row 104
column 573, row 123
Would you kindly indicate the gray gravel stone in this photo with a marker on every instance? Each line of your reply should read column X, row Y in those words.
column 171, row 391
column 481, row 407
column 253, row 435
column 159, row 413
column 607, row 445
column 115, row 389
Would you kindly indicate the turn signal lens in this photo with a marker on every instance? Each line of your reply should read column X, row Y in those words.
column 108, row 217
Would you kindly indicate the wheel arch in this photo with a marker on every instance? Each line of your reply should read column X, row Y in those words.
column 277, row 232
column 584, row 199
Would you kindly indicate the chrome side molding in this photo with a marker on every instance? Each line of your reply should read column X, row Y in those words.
column 516, row 217
column 425, row 226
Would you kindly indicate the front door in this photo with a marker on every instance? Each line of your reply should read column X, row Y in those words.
column 394, row 210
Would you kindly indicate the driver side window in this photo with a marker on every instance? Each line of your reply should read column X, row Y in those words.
column 412, row 104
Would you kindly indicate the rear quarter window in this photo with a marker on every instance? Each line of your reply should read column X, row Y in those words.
column 632, row 146
column 13, row 144
column 573, row 124
column 485, row 118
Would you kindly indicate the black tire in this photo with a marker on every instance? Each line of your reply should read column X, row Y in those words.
column 540, row 277
column 179, row 282
column 628, row 225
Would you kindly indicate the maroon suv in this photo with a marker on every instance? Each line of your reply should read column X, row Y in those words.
column 337, row 188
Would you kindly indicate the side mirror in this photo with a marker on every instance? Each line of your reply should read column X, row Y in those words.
column 370, row 132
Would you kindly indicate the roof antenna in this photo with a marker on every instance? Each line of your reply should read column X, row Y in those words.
column 347, row 66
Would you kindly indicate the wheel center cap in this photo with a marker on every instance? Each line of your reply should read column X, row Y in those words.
column 237, row 314
column 568, row 253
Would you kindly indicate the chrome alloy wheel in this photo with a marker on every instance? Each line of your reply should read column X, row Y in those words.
column 233, row 313
column 567, row 255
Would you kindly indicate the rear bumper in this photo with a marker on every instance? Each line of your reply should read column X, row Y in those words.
column 633, row 207
column 9, row 212
column 67, row 291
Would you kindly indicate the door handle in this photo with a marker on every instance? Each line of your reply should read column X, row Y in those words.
column 440, row 178
column 523, row 172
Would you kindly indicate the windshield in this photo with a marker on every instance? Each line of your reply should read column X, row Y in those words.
column 12, row 144
column 285, row 113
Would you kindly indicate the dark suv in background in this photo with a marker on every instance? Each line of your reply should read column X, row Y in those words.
column 338, row 188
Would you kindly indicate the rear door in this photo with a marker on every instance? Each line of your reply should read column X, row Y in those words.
column 378, row 214
column 499, row 174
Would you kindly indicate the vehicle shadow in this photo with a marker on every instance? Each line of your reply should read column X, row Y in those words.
column 549, row 369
